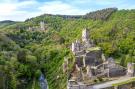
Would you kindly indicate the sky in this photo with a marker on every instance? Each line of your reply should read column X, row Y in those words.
column 20, row 10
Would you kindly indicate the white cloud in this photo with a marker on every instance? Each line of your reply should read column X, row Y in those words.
column 8, row 1
column 82, row 1
column 19, row 10
column 58, row 7
column 28, row 3
column 19, row 16
column 23, row 9
column 15, row 10
column 6, row 9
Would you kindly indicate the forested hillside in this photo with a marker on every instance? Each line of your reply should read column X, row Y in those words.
column 25, row 54
column 5, row 23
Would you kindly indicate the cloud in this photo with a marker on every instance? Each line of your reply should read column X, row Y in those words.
column 27, row 3
column 58, row 7
column 23, row 9
column 19, row 16
column 17, row 10
column 6, row 9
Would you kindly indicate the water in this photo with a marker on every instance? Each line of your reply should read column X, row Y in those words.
column 43, row 82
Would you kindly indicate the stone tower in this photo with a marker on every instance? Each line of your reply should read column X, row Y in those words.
column 42, row 25
column 85, row 35
column 103, row 57
column 89, row 72
column 130, row 69
column 76, row 46
column 73, row 47
column 65, row 65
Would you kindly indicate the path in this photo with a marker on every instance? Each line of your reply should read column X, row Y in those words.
column 109, row 84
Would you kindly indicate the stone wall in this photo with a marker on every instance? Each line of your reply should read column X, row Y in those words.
column 93, row 58
column 115, row 72
column 79, row 61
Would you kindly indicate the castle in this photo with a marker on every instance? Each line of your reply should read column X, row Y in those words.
column 42, row 27
column 92, row 67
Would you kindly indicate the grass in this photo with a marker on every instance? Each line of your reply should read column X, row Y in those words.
column 94, row 49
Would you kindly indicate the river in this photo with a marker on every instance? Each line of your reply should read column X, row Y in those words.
column 43, row 82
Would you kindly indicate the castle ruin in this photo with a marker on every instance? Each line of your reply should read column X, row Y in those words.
column 92, row 67
column 42, row 25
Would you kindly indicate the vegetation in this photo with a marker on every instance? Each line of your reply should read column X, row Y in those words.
column 24, row 54
column 100, row 14
column 5, row 23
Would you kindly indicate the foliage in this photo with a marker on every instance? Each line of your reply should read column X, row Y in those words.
column 25, row 54
column 100, row 14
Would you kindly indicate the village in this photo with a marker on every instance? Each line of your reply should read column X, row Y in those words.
column 92, row 70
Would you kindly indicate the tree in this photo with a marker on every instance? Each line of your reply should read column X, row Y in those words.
column 38, row 73
column 21, row 56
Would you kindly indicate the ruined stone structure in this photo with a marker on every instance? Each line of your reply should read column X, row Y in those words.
column 103, row 57
column 91, row 64
column 65, row 65
column 87, row 43
column 92, row 57
column 42, row 25
column 30, row 28
column 76, row 46
column 114, row 70
column 89, row 71
column 85, row 35
column 79, row 47
column 130, row 69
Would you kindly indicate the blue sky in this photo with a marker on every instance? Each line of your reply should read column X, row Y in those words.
column 19, row 10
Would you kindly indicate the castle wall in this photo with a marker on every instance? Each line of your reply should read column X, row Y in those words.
column 115, row 72
column 79, row 61
column 93, row 58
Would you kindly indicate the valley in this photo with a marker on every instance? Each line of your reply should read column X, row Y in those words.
column 42, row 44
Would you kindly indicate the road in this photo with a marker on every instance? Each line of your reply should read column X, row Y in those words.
column 110, row 83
